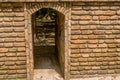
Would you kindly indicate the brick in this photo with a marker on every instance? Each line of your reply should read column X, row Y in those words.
column 12, row 76
column 75, row 27
column 94, row 22
column 20, row 62
column 73, row 68
column 20, row 44
column 9, row 63
column 11, row 67
column 11, row 58
column 11, row 71
column 112, row 63
column 19, row 14
column 95, row 17
column 3, row 71
column 83, row 46
column 6, row 19
column 112, row 45
column 74, row 60
column 91, row 59
column 117, row 70
column 75, row 55
column 74, row 72
column 92, row 45
column 85, row 50
column 100, row 59
column 19, row 18
column 103, row 72
column 92, row 41
column 21, row 67
column 85, row 55
column 96, row 67
column 111, row 71
column 104, row 17
column 85, row 17
column 83, row 59
column 21, row 75
column 21, row 71
column 116, row 27
column 104, row 12
column 87, row 32
column 75, row 32
column 9, row 39
column 8, row 45
column 21, row 49
column 99, row 32
column 78, row 41
column 11, row 54
column 92, row 36
column 75, row 37
column 83, row 22
column 83, row 63
column 102, row 45
column 74, row 46
column 19, row 24
column 75, row 64
column 21, row 58
column 3, row 50
column 22, row 54
column 83, row 37
column 96, row 50
column 87, row 68
column 2, row 54
column 104, row 67
column 75, row 50
column 80, row 12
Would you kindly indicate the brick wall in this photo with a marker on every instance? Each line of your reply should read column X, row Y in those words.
column 12, row 41
column 94, row 43
column 95, row 39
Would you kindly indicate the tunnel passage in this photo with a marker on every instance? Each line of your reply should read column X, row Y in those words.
column 48, row 44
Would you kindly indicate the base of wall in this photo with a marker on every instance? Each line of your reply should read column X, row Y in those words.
column 100, row 78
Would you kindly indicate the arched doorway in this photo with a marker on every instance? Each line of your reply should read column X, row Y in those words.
column 61, row 8
column 48, row 44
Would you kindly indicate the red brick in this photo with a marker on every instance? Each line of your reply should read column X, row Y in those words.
column 75, row 55
column 2, row 50
column 78, row 41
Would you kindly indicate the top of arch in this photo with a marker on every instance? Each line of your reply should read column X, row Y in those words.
column 58, row 0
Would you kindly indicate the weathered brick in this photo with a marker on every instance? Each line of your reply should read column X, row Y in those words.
column 96, row 67
column 21, row 71
column 20, row 62
column 78, row 41
column 19, row 44
column 75, row 55
column 11, row 71
column 3, row 50
column 75, row 64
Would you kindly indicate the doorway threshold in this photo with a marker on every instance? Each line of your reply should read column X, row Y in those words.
column 47, row 68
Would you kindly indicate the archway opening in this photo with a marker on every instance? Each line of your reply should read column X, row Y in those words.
column 48, row 44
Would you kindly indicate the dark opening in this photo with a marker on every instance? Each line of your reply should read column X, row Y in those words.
column 48, row 41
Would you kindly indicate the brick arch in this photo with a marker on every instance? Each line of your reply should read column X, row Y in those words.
column 30, row 9
column 60, row 7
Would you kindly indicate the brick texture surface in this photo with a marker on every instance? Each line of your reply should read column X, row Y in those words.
column 95, row 39
column 12, row 41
